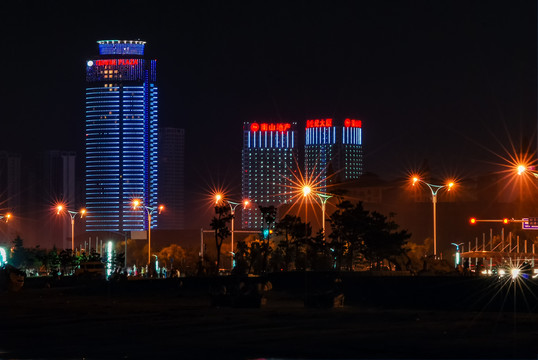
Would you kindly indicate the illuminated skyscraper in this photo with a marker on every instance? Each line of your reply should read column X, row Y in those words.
column 333, row 150
column 121, row 136
column 269, row 162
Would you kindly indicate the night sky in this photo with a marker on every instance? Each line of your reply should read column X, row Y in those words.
column 451, row 82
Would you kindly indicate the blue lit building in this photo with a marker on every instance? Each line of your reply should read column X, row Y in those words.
column 269, row 163
column 121, row 136
column 333, row 151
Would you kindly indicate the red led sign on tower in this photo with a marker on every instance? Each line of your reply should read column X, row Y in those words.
column 352, row 123
column 116, row 62
column 270, row 127
column 319, row 123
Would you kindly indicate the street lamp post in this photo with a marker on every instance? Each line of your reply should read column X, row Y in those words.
column 323, row 197
column 457, row 260
column 434, row 190
column 149, row 211
column 72, row 215
column 233, row 205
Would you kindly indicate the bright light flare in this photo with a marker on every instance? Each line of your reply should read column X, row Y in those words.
column 415, row 180
column 218, row 198
column 514, row 273
column 8, row 216
column 307, row 190
column 59, row 209
column 246, row 203
column 450, row 185
column 82, row 212
column 161, row 208
column 136, row 203
column 521, row 169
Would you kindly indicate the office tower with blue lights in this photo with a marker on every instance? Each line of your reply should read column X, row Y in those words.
column 333, row 151
column 121, row 136
column 269, row 167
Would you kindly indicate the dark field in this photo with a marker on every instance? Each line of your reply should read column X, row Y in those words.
column 383, row 317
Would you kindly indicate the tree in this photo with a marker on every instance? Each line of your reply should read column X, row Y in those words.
column 18, row 253
column 382, row 241
column 219, row 223
column 348, row 224
column 173, row 256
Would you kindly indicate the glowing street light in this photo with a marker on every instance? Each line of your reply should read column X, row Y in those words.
column 7, row 216
column 233, row 205
column 137, row 203
column 434, row 190
column 458, row 256
column 323, row 197
column 60, row 209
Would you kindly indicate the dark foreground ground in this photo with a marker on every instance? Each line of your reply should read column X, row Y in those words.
column 166, row 319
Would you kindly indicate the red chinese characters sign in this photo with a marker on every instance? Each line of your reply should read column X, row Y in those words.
column 317, row 123
column 116, row 62
column 270, row 127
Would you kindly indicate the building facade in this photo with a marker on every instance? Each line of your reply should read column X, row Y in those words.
column 172, row 177
column 121, row 136
column 333, row 151
column 269, row 163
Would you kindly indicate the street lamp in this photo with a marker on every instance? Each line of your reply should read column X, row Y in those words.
column 72, row 214
column 458, row 260
column 7, row 216
column 137, row 203
column 233, row 205
column 434, row 190
column 323, row 197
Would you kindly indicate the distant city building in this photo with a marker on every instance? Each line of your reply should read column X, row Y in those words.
column 269, row 166
column 121, row 136
column 172, row 177
column 333, row 150
column 50, row 178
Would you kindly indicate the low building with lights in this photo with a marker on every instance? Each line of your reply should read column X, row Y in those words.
column 333, row 150
column 269, row 165
column 121, row 136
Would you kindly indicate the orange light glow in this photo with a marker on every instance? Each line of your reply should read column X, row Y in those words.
column 450, row 185
column 506, row 221
column 521, row 169
column 59, row 209
column 136, row 203
column 218, row 198
column 161, row 208
column 246, row 203
column 307, row 190
column 472, row 221
column 82, row 212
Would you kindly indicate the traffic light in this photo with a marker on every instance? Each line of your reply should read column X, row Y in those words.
column 472, row 221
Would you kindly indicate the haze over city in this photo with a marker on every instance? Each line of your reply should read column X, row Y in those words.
column 451, row 83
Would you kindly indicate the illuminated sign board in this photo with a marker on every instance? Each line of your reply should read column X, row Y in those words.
column 352, row 123
column 321, row 123
column 270, row 127
column 112, row 62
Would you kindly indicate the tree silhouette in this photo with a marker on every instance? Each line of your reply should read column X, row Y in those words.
column 219, row 223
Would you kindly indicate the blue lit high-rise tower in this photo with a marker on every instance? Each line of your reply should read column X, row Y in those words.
column 121, row 136
column 333, row 151
column 269, row 166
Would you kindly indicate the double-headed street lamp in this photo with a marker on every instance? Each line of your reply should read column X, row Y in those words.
column 323, row 197
column 233, row 205
column 72, row 214
column 137, row 203
column 434, row 190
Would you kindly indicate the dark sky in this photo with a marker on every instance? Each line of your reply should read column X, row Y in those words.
column 445, row 81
